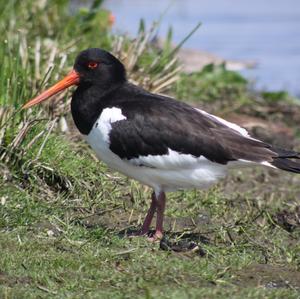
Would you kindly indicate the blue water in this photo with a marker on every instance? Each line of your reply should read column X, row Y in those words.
column 266, row 31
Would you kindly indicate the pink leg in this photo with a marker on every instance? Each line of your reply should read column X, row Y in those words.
column 160, row 208
column 149, row 217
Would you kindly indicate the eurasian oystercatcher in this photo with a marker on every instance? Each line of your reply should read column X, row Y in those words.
column 156, row 140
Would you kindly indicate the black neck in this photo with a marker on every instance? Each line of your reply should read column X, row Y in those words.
column 87, row 103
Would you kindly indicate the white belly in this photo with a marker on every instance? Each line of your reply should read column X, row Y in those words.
column 168, row 173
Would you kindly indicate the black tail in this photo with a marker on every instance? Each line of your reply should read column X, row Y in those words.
column 286, row 160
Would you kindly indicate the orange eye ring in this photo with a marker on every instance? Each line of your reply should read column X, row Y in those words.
column 92, row 65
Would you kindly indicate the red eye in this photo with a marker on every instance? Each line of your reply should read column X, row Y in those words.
column 92, row 65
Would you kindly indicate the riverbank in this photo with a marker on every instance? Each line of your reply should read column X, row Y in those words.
column 262, row 31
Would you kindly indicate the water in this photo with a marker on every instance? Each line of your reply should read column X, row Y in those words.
column 266, row 31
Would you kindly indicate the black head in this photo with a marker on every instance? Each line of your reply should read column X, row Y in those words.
column 94, row 68
column 99, row 67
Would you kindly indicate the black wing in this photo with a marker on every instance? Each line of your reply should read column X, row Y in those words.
column 155, row 123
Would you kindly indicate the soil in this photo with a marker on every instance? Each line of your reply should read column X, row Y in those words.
column 10, row 281
column 267, row 276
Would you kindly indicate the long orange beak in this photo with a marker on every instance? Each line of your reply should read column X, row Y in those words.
column 71, row 79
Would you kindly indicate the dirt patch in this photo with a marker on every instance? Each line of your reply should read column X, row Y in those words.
column 268, row 276
column 10, row 281
column 116, row 220
column 47, row 227
column 182, row 246
column 288, row 220
column 179, row 224
column 121, row 219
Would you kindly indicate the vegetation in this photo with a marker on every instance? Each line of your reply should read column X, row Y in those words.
column 64, row 216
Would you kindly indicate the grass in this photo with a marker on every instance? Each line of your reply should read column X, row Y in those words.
column 71, row 244
column 213, row 83
column 64, row 215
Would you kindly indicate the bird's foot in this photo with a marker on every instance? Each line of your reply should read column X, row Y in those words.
column 157, row 237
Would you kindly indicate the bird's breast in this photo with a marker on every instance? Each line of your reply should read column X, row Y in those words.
column 98, row 137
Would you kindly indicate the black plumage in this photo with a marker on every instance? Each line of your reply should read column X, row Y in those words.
column 155, row 123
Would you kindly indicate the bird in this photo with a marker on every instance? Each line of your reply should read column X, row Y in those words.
column 157, row 140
